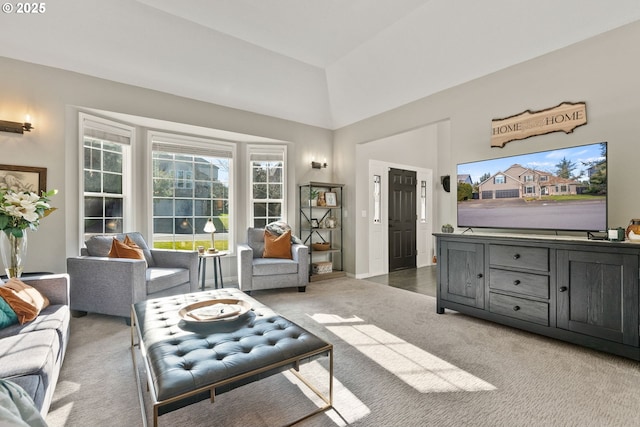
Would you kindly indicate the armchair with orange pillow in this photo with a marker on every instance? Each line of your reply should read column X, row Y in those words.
column 270, row 260
column 113, row 272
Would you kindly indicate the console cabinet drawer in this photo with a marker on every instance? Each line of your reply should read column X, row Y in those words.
column 534, row 285
column 519, row 257
column 519, row 308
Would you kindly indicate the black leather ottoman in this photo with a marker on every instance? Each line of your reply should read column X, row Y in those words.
column 188, row 361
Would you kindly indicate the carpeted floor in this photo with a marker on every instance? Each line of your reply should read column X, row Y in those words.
column 397, row 363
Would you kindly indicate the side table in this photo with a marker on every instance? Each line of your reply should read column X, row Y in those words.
column 217, row 267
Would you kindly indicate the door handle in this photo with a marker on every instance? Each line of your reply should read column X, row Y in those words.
column 563, row 289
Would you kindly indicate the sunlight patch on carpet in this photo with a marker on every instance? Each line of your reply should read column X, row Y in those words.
column 347, row 408
column 421, row 370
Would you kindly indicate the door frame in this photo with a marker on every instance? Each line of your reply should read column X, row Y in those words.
column 379, row 232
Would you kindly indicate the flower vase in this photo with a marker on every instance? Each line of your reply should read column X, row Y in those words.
column 14, row 253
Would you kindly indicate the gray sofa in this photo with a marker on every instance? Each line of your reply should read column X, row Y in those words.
column 31, row 355
column 104, row 285
column 256, row 272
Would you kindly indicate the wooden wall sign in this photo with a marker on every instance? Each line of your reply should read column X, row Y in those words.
column 564, row 117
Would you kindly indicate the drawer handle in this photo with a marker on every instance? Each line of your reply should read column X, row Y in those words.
column 479, row 276
column 563, row 289
column 516, row 256
column 516, row 282
column 516, row 307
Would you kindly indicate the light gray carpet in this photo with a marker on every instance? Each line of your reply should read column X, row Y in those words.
column 536, row 381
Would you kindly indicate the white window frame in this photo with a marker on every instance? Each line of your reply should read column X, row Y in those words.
column 267, row 150
column 118, row 129
column 207, row 147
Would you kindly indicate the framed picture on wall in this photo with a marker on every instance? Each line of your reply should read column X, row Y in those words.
column 331, row 199
column 23, row 178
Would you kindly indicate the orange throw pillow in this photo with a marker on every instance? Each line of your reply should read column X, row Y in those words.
column 25, row 300
column 125, row 250
column 277, row 246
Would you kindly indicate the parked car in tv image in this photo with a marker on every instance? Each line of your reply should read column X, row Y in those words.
column 560, row 189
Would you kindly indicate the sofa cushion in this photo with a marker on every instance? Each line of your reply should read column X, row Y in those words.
column 8, row 317
column 24, row 300
column 101, row 245
column 277, row 246
column 274, row 266
column 160, row 279
column 55, row 317
column 29, row 360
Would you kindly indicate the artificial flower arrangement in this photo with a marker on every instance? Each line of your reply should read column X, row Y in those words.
column 20, row 210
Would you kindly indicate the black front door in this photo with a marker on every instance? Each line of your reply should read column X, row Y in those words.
column 402, row 219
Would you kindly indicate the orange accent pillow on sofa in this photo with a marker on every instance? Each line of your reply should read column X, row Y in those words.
column 23, row 299
column 126, row 249
column 277, row 246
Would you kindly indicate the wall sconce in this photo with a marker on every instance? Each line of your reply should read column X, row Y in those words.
column 210, row 228
column 16, row 127
column 318, row 165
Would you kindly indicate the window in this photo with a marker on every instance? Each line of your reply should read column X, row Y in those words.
column 105, row 182
column 530, row 190
column 528, row 178
column 191, row 183
column 499, row 179
column 267, row 166
column 543, row 178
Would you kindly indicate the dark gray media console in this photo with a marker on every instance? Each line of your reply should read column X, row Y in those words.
column 576, row 290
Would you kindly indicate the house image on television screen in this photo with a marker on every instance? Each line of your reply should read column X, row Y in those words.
column 520, row 182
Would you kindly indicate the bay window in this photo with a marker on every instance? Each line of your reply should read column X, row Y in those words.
column 191, row 184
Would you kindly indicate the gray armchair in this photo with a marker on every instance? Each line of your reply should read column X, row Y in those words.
column 256, row 272
column 104, row 285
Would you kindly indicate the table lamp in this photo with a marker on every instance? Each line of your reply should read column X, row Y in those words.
column 210, row 228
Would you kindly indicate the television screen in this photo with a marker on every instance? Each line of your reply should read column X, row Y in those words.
column 561, row 189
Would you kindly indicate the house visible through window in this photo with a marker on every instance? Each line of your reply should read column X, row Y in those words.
column 191, row 183
column 267, row 165
column 105, row 184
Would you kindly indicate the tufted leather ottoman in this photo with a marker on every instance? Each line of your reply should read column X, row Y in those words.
column 187, row 362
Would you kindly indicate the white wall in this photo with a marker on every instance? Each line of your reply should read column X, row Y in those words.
column 602, row 71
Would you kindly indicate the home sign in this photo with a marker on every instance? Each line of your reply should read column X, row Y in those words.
column 564, row 117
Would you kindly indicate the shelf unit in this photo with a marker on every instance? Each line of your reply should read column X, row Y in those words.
column 311, row 234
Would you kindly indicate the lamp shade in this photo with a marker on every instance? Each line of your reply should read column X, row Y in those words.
column 209, row 227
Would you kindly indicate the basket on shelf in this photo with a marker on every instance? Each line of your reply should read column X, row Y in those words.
column 324, row 246
column 322, row 267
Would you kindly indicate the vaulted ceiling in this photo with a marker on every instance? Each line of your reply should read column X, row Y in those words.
column 327, row 63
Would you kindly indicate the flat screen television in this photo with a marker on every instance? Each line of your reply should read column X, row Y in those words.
column 564, row 189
